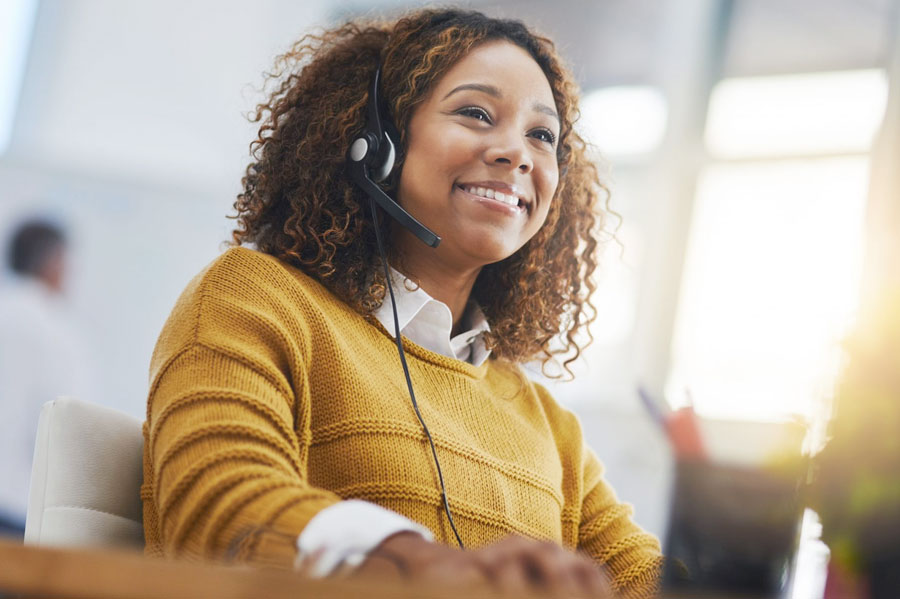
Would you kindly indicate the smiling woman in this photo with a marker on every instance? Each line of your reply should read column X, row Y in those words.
column 279, row 429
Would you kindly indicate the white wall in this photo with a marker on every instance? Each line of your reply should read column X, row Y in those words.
column 133, row 250
column 150, row 92
column 130, row 131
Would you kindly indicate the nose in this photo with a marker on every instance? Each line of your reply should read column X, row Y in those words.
column 510, row 149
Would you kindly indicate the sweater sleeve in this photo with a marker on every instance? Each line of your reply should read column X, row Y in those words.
column 225, row 449
column 631, row 557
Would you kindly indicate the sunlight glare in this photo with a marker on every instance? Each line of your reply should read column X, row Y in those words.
column 812, row 113
column 623, row 120
column 770, row 285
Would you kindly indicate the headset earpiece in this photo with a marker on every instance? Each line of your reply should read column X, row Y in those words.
column 377, row 155
column 384, row 159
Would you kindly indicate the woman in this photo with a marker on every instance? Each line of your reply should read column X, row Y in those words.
column 280, row 426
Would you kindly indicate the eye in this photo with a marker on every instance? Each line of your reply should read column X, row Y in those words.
column 544, row 135
column 475, row 112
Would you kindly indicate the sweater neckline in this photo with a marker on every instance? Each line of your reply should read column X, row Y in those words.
column 426, row 355
column 409, row 347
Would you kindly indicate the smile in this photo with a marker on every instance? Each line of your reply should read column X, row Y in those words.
column 510, row 201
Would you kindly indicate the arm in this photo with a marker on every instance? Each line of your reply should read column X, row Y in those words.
column 631, row 556
column 227, row 431
column 229, row 473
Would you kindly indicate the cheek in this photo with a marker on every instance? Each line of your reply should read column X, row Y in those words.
column 429, row 165
column 441, row 148
column 541, row 217
column 549, row 183
column 417, row 173
column 548, row 186
column 453, row 152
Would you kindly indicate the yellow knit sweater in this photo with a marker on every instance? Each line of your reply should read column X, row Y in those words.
column 271, row 399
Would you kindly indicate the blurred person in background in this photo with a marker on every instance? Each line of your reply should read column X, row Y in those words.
column 41, row 356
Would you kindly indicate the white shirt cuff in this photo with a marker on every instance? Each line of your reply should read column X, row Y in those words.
column 346, row 532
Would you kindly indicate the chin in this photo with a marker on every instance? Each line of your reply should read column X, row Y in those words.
column 488, row 253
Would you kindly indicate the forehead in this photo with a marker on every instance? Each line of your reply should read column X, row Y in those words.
column 502, row 64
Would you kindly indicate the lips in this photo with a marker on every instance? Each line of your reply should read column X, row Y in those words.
column 487, row 192
column 498, row 191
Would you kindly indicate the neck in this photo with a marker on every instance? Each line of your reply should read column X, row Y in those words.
column 445, row 283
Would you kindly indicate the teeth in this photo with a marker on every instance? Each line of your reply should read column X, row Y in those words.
column 492, row 194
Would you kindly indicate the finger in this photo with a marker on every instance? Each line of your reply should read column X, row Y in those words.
column 512, row 580
column 376, row 567
column 305, row 563
column 500, row 556
column 504, row 565
column 460, row 571
column 593, row 578
column 552, row 568
column 517, row 564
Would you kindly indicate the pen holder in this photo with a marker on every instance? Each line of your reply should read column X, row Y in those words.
column 732, row 529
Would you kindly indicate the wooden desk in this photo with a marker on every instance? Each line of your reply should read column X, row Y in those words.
column 102, row 574
column 115, row 574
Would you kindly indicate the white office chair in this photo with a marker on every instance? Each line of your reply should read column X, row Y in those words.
column 86, row 477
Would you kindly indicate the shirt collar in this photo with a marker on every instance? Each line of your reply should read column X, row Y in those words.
column 469, row 345
column 429, row 322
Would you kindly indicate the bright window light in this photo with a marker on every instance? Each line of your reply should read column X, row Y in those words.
column 623, row 121
column 818, row 113
column 16, row 25
column 770, row 286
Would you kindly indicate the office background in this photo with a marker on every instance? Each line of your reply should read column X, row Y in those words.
column 748, row 145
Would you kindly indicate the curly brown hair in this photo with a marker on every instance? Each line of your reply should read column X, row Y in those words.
column 299, row 204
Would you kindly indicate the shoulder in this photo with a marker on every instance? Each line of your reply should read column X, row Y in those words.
column 560, row 418
column 242, row 298
column 240, row 271
column 245, row 277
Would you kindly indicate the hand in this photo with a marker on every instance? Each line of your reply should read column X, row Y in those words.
column 408, row 556
column 516, row 565
column 513, row 565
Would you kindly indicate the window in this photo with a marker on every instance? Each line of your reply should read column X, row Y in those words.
column 773, row 263
column 16, row 25
column 623, row 121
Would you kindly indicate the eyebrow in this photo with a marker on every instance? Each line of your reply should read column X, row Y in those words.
column 496, row 93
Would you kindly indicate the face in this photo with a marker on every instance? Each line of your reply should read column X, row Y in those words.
column 481, row 166
column 53, row 270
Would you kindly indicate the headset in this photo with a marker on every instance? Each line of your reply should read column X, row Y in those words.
column 370, row 159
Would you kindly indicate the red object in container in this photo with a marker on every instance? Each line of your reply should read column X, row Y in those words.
column 684, row 434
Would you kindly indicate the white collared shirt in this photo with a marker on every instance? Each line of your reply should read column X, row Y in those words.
column 346, row 532
column 429, row 323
